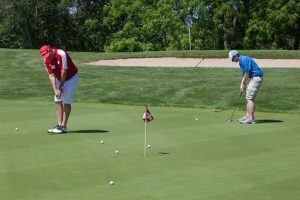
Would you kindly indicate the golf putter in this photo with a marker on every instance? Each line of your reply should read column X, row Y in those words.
column 230, row 119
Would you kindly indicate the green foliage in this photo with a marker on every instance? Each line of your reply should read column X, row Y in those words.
column 125, row 45
column 273, row 25
column 229, row 20
column 282, row 16
column 131, row 24
column 150, row 25
column 257, row 36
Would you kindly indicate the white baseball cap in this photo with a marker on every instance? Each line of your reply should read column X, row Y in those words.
column 232, row 54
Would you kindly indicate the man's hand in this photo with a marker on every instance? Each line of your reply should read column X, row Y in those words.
column 242, row 87
column 244, row 82
column 58, row 92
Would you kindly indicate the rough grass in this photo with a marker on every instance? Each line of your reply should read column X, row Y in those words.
column 23, row 77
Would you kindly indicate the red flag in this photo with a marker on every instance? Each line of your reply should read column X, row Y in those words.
column 147, row 117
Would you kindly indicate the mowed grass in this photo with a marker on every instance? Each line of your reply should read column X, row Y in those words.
column 23, row 77
column 207, row 158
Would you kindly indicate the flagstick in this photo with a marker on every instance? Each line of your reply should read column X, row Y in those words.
column 145, row 144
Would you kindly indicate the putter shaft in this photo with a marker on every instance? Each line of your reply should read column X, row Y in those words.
column 235, row 107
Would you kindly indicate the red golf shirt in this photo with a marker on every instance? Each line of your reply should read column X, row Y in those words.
column 61, row 60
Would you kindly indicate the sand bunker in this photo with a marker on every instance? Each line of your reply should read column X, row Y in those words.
column 194, row 62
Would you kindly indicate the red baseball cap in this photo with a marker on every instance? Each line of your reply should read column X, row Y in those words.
column 45, row 51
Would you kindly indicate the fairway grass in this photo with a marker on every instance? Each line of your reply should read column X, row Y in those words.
column 190, row 159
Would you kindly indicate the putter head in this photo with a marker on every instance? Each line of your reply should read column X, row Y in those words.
column 229, row 120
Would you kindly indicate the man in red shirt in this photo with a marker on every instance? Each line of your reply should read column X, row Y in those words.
column 63, row 78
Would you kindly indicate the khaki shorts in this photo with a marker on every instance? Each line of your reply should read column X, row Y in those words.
column 253, row 87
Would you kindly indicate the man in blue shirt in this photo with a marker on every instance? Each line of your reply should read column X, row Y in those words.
column 252, row 77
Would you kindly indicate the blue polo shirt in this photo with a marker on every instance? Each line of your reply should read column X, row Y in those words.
column 247, row 64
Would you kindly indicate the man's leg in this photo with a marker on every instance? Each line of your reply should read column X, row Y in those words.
column 66, row 114
column 251, row 93
column 59, row 117
column 59, row 112
column 250, row 109
column 68, row 95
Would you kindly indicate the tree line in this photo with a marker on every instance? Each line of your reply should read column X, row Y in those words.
column 150, row 25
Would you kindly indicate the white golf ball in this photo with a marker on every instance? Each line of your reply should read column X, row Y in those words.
column 17, row 129
column 196, row 119
column 111, row 183
column 149, row 146
column 102, row 141
column 116, row 152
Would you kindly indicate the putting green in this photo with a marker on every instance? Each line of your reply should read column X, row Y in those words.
column 207, row 158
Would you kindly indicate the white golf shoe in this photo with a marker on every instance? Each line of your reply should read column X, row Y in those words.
column 247, row 120
column 58, row 130
column 242, row 119
column 51, row 130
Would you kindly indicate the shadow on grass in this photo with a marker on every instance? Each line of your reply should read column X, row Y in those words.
column 164, row 153
column 261, row 121
column 89, row 131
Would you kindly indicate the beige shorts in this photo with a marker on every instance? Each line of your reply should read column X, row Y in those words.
column 253, row 87
column 68, row 90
